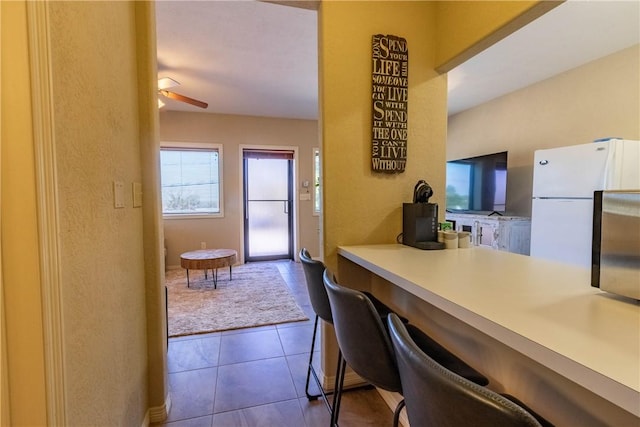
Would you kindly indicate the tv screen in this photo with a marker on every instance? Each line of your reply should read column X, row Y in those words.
column 477, row 184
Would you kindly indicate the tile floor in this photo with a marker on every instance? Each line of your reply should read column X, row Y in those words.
column 255, row 377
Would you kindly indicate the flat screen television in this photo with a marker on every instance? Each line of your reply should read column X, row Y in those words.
column 477, row 184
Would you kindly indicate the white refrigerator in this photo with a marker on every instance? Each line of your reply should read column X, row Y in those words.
column 564, row 180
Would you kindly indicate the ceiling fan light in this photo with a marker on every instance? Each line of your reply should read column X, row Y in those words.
column 166, row 83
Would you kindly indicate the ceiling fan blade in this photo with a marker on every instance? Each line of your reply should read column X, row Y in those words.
column 166, row 83
column 178, row 97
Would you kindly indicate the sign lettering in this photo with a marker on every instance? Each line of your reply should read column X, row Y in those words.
column 389, row 97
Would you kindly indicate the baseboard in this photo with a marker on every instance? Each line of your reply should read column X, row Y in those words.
column 351, row 379
column 158, row 414
column 392, row 400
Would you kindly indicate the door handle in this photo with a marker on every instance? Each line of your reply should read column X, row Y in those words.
column 286, row 206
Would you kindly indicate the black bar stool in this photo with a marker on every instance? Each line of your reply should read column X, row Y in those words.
column 313, row 271
column 366, row 346
column 435, row 396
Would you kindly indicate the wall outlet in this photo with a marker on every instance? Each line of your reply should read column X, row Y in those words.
column 203, row 245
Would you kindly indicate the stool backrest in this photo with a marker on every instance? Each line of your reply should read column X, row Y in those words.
column 436, row 396
column 361, row 335
column 313, row 271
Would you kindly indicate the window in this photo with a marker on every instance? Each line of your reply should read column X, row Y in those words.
column 316, row 181
column 191, row 175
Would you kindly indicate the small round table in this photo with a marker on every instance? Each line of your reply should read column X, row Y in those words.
column 205, row 259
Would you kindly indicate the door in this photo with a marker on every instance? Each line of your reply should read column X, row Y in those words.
column 487, row 234
column 561, row 230
column 268, row 205
column 574, row 171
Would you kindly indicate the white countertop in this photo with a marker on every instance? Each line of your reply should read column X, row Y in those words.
column 548, row 311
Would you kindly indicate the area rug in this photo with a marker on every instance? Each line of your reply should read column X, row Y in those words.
column 256, row 296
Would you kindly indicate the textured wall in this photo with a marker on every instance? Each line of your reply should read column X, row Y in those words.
column 598, row 99
column 360, row 206
column 96, row 131
column 182, row 235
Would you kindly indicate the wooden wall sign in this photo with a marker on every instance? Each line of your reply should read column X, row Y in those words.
column 390, row 58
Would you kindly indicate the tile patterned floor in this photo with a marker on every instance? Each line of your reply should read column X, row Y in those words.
column 255, row 377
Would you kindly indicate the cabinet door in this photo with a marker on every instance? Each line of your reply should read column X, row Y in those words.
column 515, row 237
column 487, row 234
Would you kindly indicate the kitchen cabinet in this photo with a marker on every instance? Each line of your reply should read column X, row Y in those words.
column 504, row 233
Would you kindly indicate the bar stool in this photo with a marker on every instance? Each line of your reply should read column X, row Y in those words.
column 366, row 347
column 313, row 271
column 435, row 396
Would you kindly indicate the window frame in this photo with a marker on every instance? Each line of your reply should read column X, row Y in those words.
column 317, row 181
column 200, row 146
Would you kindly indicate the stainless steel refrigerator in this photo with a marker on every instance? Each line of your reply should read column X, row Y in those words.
column 564, row 181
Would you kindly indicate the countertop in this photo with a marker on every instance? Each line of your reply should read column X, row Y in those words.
column 546, row 310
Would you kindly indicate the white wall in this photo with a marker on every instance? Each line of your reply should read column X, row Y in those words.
column 599, row 99
column 182, row 235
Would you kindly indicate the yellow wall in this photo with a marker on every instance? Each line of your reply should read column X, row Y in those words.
column 361, row 206
column 20, row 259
column 365, row 207
column 598, row 99
column 231, row 131
column 465, row 28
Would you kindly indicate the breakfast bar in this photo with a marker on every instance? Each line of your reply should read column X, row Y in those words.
column 536, row 328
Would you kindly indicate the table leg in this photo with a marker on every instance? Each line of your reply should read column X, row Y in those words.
column 230, row 275
column 187, row 277
column 214, row 275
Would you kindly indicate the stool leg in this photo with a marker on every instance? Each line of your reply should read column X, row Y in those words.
column 337, row 396
column 230, row 274
column 313, row 345
column 396, row 413
column 187, row 277
column 312, row 371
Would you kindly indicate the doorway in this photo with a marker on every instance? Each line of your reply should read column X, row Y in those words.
column 268, row 204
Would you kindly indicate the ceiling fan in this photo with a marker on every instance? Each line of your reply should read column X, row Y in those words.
column 165, row 83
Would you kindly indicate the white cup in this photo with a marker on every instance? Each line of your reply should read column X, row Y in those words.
column 450, row 239
column 464, row 239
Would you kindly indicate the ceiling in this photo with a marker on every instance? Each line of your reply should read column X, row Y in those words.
column 241, row 57
column 260, row 59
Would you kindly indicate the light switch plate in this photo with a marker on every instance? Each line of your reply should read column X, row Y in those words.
column 118, row 194
column 137, row 194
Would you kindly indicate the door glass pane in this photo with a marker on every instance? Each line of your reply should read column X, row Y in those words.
column 268, row 207
column 268, row 228
column 268, row 179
